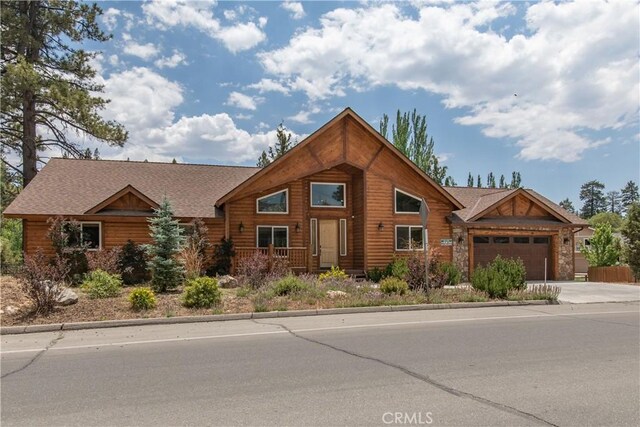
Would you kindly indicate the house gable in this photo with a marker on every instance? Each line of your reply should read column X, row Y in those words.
column 127, row 200
column 519, row 204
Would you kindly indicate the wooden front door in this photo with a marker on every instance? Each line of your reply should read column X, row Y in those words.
column 328, row 243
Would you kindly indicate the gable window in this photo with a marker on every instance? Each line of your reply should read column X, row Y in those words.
column 328, row 195
column 278, row 236
column 409, row 238
column 406, row 203
column 274, row 203
column 90, row 235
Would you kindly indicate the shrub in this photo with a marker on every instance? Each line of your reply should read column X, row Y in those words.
column 535, row 292
column 451, row 272
column 631, row 233
column 66, row 239
column 288, row 285
column 142, row 299
column 375, row 275
column 254, row 269
column 192, row 260
column 399, row 268
column 415, row 272
column 605, row 248
column 194, row 252
column 167, row 271
column 393, row 285
column 42, row 280
column 105, row 260
column 100, row 284
column 223, row 253
column 132, row 263
column 500, row 276
column 334, row 274
column 202, row 292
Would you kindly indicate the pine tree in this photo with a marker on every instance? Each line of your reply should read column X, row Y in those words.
column 479, row 182
column 491, row 180
column 450, row 182
column 283, row 144
column 613, row 200
column 48, row 86
column 628, row 195
column 592, row 194
column 174, row 161
column 503, row 182
column 631, row 234
column 516, row 181
column 470, row 180
column 567, row 205
column 167, row 272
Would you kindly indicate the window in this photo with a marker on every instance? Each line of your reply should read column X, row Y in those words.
column 520, row 240
column 278, row 236
column 480, row 239
column 541, row 240
column 91, row 235
column 273, row 203
column 585, row 241
column 314, row 236
column 406, row 203
column 501, row 240
column 328, row 195
column 343, row 237
column 409, row 237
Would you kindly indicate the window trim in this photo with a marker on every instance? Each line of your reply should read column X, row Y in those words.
column 286, row 212
column 272, row 237
column 343, row 236
column 82, row 223
column 313, row 227
column 395, row 238
column 344, row 192
column 395, row 202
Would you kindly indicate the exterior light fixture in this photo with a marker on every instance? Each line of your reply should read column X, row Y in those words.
column 241, row 227
column 380, row 226
column 297, row 227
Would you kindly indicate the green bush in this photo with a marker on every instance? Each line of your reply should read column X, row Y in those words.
column 393, row 285
column 132, row 262
column 376, row 274
column 499, row 277
column 100, row 284
column 288, row 285
column 451, row 272
column 334, row 274
column 202, row 292
column 142, row 299
column 399, row 268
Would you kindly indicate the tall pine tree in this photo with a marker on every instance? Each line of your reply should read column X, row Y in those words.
column 593, row 198
column 503, row 182
column 628, row 195
column 631, row 234
column 470, row 180
column 283, row 144
column 166, row 234
column 491, row 180
column 567, row 205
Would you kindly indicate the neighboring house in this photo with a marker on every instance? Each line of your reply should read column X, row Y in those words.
column 344, row 196
column 582, row 237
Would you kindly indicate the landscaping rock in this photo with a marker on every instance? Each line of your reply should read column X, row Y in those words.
column 227, row 282
column 67, row 297
column 10, row 310
column 336, row 294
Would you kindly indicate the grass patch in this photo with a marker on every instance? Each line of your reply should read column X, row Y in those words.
column 535, row 292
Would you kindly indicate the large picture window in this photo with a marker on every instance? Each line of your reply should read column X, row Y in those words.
column 278, row 236
column 409, row 238
column 328, row 195
column 273, row 203
column 406, row 203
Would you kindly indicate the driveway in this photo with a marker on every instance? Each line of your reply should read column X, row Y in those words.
column 587, row 292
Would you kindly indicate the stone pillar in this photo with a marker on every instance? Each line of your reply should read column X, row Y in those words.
column 565, row 254
column 461, row 251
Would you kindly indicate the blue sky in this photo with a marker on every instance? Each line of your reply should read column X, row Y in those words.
column 208, row 82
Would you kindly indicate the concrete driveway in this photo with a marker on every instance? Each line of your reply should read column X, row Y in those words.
column 587, row 292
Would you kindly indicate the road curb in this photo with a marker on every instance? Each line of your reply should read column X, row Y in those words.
column 12, row 330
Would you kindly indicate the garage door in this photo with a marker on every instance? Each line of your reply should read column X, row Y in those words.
column 531, row 250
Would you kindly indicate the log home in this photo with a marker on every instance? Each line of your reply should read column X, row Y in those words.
column 344, row 196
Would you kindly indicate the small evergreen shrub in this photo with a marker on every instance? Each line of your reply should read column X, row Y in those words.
column 375, row 275
column 499, row 277
column 451, row 272
column 132, row 263
column 166, row 234
column 336, row 273
column 142, row 299
column 399, row 268
column 393, row 285
column 202, row 292
column 288, row 285
column 100, row 284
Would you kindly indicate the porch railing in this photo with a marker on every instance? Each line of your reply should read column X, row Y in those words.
column 297, row 258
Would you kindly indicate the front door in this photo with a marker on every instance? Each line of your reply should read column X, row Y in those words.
column 328, row 243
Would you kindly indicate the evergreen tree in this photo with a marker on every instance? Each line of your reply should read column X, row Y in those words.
column 479, row 182
column 613, row 200
column 174, row 161
column 631, row 234
column 516, row 181
column 167, row 272
column 47, row 81
column 470, row 180
column 384, row 126
column 628, row 195
column 491, row 180
column 283, row 144
column 592, row 196
column 567, row 205
column 450, row 182
column 503, row 182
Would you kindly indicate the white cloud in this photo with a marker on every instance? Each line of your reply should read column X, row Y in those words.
column 295, row 9
column 304, row 117
column 269, row 85
column 172, row 61
column 240, row 100
column 199, row 15
column 144, row 51
column 110, row 18
column 574, row 70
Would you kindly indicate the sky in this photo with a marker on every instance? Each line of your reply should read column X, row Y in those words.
column 547, row 89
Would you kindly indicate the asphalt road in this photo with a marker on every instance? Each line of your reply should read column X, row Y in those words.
column 539, row 365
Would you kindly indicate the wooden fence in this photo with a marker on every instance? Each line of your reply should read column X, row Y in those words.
column 615, row 274
column 296, row 258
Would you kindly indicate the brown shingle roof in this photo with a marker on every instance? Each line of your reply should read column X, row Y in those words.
column 72, row 187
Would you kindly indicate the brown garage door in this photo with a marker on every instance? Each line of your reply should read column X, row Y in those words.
column 531, row 250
